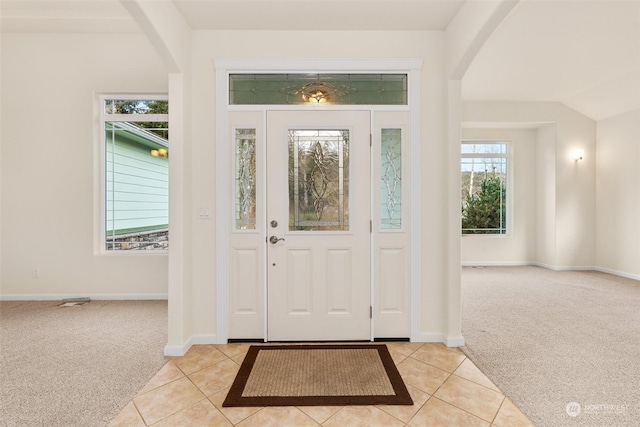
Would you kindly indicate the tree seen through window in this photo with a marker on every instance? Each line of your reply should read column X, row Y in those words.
column 484, row 188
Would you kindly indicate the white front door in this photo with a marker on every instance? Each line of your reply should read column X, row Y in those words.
column 318, row 200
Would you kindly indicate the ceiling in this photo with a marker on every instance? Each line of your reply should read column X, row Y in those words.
column 99, row 15
column 66, row 16
column 319, row 14
column 583, row 53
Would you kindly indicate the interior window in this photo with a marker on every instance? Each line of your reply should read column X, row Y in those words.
column 484, row 187
column 136, row 173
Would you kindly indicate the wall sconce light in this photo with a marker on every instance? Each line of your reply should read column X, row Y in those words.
column 578, row 154
column 160, row 152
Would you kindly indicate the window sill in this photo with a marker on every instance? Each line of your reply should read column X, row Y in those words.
column 490, row 236
column 133, row 253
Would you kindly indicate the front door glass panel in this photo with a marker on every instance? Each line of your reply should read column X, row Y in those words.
column 391, row 179
column 245, row 179
column 318, row 180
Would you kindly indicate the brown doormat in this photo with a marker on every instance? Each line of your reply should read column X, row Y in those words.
column 318, row 375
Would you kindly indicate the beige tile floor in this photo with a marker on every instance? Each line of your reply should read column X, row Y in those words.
column 447, row 390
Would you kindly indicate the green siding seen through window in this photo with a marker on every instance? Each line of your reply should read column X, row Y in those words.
column 136, row 180
column 137, row 184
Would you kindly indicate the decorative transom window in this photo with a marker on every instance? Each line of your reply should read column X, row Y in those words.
column 484, row 187
column 340, row 89
column 136, row 173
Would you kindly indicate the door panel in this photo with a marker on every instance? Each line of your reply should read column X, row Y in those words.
column 246, row 247
column 318, row 211
column 391, row 229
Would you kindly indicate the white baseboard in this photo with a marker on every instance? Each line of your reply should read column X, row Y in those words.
column 564, row 267
column 198, row 339
column 448, row 341
column 618, row 273
column 432, row 337
column 176, row 350
column 554, row 267
column 589, row 268
column 103, row 297
column 495, row 264
column 204, row 339
column 551, row 267
column 181, row 350
column 524, row 264
column 455, row 341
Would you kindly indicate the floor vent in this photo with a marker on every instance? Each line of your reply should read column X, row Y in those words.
column 72, row 302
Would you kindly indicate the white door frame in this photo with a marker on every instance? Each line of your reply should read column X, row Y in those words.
column 224, row 67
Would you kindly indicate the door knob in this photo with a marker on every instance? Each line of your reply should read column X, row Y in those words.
column 275, row 239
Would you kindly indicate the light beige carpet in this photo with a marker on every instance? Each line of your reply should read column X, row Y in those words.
column 318, row 375
column 563, row 346
column 78, row 365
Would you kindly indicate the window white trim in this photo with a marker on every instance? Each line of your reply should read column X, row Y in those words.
column 509, row 181
column 99, row 159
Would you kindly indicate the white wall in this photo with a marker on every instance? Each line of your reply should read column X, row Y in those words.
column 546, row 195
column 48, row 144
column 566, row 213
column 519, row 246
column 48, row 171
column 618, row 194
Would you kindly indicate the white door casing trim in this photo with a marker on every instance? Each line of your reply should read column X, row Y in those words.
column 223, row 68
